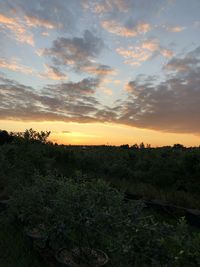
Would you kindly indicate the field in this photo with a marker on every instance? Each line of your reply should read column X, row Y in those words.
column 97, row 197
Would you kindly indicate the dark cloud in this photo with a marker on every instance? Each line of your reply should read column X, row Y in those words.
column 107, row 114
column 171, row 105
column 185, row 63
column 52, row 72
column 65, row 102
column 75, row 53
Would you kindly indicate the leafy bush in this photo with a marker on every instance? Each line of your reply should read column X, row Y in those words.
column 33, row 204
column 89, row 212
column 78, row 213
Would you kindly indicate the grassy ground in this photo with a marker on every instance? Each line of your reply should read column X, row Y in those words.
column 15, row 250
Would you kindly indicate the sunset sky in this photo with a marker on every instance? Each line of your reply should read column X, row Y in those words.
column 102, row 71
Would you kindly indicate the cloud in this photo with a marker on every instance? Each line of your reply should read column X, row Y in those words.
column 47, row 14
column 108, row 114
column 108, row 91
column 151, row 45
column 119, row 7
column 135, row 55
column 22, row 19
column 171, row 105
column 50, row 72
column 33, row 22
column 184, row 63
column 175, row 28
column 168, row 103
column 166, row 52
column 14, row 65
column 18, row 23
column 100, row 70
column 17, row 29
column 100, row 8
column 115, row 27
column 75, row 53
column 53, row 73
column 65, row 102
column 105, row 6
column 69, row 102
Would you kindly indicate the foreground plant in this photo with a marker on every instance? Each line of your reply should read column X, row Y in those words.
column 79, row 216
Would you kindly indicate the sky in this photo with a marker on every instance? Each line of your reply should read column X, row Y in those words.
column 102, row 71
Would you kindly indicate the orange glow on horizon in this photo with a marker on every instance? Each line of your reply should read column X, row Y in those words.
column 101, row 134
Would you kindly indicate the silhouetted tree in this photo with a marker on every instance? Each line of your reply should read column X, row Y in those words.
column 135, row 146
column 125, row 146
column 178, row 146
column 5, row 137
column 32, row 135
column 141, row 146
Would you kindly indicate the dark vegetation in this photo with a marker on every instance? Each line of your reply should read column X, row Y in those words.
column 73, row 197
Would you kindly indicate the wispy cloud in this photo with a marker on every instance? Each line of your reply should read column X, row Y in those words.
column 35, row 22
column 20, row 26
column 105, row 6
column 17, row 29
column 19, row 23
column 115, row 27
column 175, row 28
column 135, row 55
column 14, row 65
column 100, row 70
column 50, row 72
column 53, row 73
column 45, row 14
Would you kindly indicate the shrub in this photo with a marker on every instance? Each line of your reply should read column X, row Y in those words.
column 78, row 213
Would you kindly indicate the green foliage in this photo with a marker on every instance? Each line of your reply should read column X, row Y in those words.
column 170, row 170
column 32, row 204
column 83, row 211
column 88, row 210
column 160, row 244
column 15, row 250
column 78, row 213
